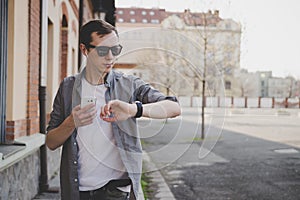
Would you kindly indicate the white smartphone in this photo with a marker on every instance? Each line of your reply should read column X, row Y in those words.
column 87, row 100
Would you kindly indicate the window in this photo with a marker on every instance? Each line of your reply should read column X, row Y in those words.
column 152, row 13
column 120, row 20
column 154, row 21
column 263, row 83
column 120, row 12
column 132, row 20
column 228, row 26
column 144, row 21
column 132, row 12
column 144, row 12
column 227, row 85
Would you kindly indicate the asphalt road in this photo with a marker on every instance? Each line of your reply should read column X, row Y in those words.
column 230, row 163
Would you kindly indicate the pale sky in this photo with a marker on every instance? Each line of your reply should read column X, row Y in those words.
column 270, row 29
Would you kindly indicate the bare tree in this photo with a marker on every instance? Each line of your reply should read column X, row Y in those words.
column 248, row 83
column 162, row 69
column 219, row 52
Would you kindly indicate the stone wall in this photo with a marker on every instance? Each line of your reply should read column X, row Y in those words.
column 21, row 180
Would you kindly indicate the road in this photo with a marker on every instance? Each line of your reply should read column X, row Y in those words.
column 246, row 154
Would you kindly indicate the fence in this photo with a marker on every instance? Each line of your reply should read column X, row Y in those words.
column 239, row 102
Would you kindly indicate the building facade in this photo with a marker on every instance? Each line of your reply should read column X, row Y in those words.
column 248, row 84
column 264, row 84
column 264, row 77
column 281, row 87
column 180, row 49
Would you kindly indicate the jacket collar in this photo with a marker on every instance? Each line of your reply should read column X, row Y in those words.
column 107, row 80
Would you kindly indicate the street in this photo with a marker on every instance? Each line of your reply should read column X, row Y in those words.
column 246, row 153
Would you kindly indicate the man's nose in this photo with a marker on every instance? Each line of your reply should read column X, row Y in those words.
column 109, row 55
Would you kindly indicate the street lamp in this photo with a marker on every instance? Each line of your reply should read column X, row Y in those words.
column 104, row 10
column 99, row 9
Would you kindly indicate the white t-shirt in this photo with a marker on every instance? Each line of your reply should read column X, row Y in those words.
column 99, row 160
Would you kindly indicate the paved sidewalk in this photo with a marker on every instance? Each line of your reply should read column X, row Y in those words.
column 53, row 193
column 162, row 190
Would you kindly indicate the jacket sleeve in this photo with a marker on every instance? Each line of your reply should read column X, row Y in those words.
column 57, row 114
column 145, row 93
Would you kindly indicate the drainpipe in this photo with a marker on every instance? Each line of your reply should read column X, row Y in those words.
column 3, row 66
column 80, row 24
column 43, row 185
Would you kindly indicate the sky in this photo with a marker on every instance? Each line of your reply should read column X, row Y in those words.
column 270, row 29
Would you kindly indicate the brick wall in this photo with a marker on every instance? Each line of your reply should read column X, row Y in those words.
column 15, row 129
column 64, row 42
column 30, row 125
column 64, row 52
column 33, row 67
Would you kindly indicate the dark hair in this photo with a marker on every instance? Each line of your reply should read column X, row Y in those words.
column 101, row 27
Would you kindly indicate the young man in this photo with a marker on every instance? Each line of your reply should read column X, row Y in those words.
column 102, row 154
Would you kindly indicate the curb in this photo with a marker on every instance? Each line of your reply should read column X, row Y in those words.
column 164, row 191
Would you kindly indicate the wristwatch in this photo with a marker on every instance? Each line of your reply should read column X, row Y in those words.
column 139, row 112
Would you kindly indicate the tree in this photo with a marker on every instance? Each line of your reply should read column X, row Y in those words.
column 220, row 42
column 161, row 67
column 248, row 83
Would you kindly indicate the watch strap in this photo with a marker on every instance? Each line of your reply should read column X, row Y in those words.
column 139, row 112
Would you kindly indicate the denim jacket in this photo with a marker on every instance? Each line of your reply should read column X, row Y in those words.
column 120, row 86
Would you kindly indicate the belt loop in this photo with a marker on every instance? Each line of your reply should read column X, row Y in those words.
column 91, row 195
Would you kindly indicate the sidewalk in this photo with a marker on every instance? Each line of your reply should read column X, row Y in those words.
column 53, row 194
column 163, row 191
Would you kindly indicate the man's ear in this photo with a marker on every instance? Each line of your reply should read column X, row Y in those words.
column 83, row 49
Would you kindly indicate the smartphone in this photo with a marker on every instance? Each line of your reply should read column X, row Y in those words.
column 87, row 100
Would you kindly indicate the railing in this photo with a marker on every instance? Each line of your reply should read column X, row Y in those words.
column 239, row 102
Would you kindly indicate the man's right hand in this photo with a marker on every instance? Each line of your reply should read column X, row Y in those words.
column 84, row 116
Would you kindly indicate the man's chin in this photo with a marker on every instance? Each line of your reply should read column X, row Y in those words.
column 108, row 69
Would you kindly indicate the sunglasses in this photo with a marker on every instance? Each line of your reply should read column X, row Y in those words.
column 103, row 50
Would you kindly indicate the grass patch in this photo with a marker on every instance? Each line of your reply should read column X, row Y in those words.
column 145, row 185
column 199, row 139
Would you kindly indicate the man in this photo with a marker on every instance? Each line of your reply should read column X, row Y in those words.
column 102, row 154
